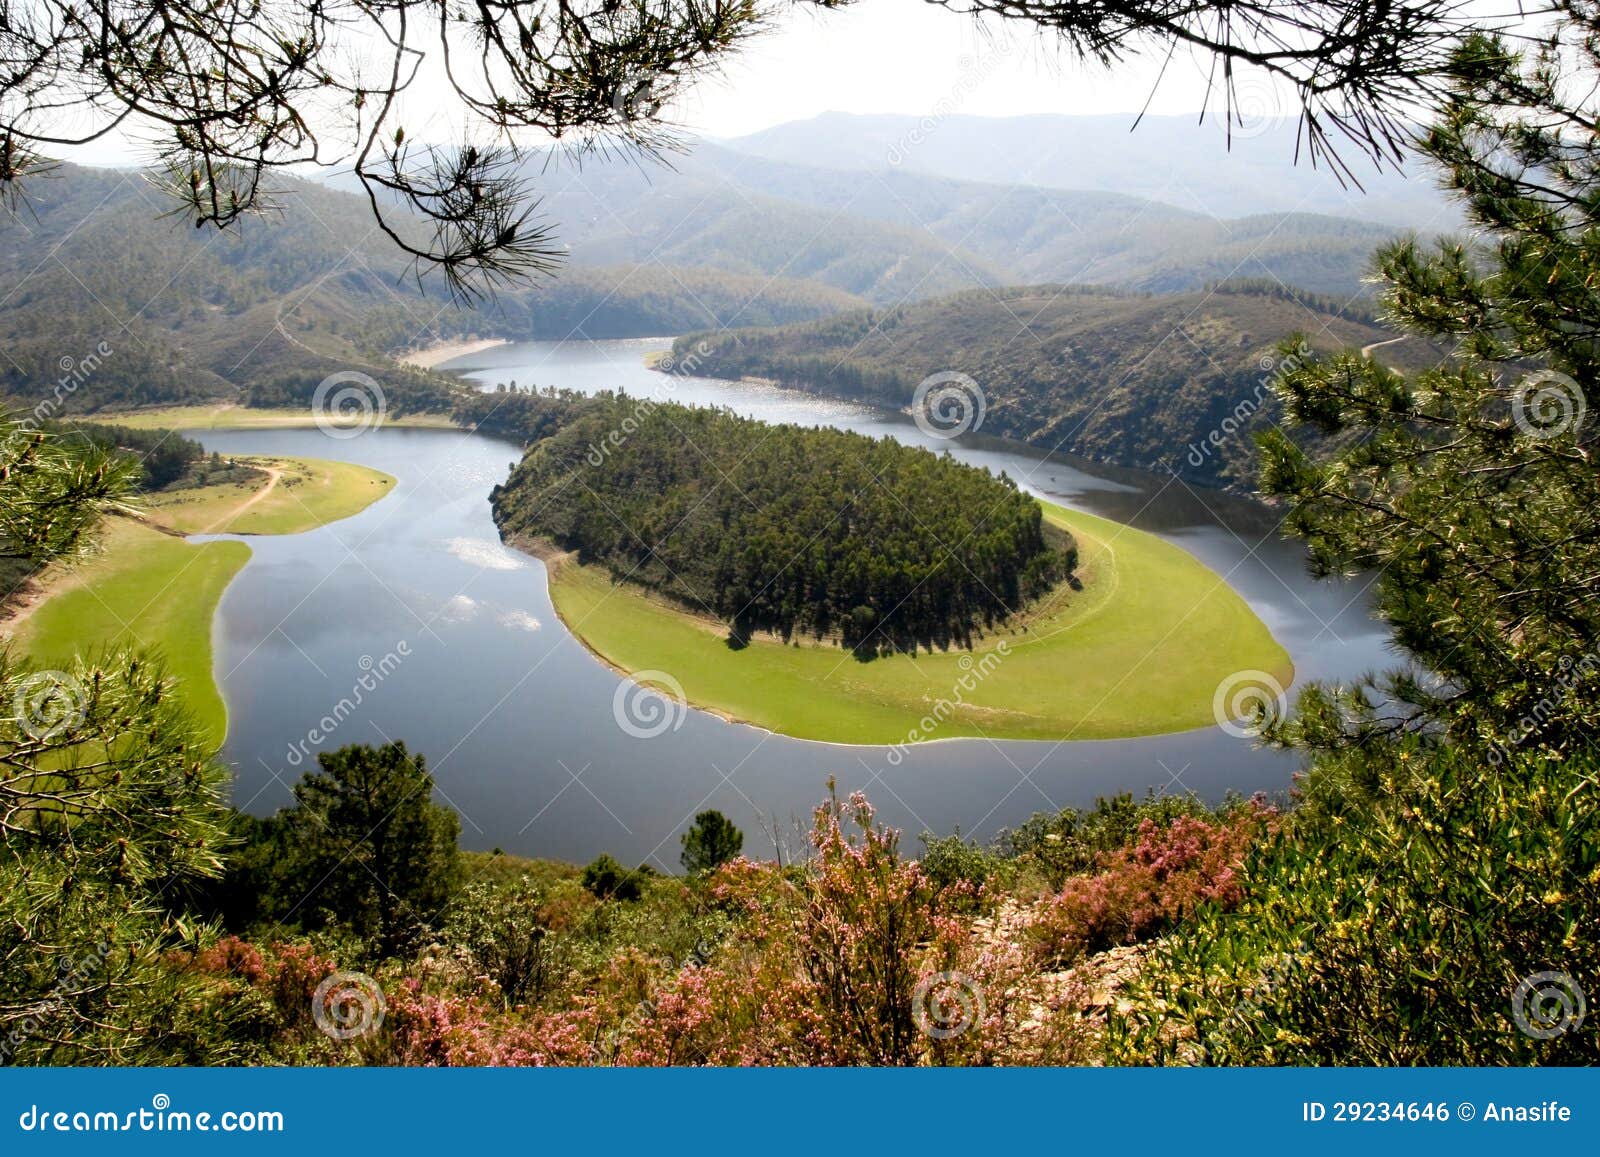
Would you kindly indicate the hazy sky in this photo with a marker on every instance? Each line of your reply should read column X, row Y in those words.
column 908, row 56
column 878, row 56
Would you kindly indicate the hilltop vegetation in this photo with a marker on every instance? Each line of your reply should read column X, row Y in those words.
column 786, row 529
column 901, row 236
column 110, row 306
column 1158, row 382
column 622, row 302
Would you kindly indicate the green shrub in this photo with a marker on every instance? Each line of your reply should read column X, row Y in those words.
column 1394, row 926
column 609, row 880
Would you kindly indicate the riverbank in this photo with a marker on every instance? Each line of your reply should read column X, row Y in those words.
column 437, row 354
column 146, row 589
column 232, row 416
column 1140, row 650
column 297, row 495
column 152, row 589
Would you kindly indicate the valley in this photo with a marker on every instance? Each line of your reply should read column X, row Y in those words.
column 564, row 535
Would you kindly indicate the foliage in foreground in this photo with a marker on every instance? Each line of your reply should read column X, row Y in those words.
column 110, row 804
column 1393, row 925
column 1471, row 490
column 856, row 955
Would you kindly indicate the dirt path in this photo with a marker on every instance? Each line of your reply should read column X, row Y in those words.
column 54, row 580
column 1366, row 350
column 273, row 474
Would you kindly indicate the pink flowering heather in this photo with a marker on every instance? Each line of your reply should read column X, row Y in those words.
column 1142, row 889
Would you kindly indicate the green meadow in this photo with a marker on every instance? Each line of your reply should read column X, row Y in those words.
column 305, row 493
column 148, row 590
column 1140, row 650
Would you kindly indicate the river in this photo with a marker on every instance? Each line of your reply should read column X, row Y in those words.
column 414, row 617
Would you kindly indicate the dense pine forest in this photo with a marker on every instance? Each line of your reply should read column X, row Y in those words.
column 1168, row 383
column 785, row 529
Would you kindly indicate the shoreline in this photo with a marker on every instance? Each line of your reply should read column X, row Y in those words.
column 191, row 612
column 1282, row 669
column 431, row 357
column 557, row 557
column 554, row 558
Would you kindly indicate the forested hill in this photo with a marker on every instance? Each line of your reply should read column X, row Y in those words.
column 787, row 529
column 264, row 311
column 1158, row 382
column 897, row 236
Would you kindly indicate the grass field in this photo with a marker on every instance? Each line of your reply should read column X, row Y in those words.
column 228, row 416
column 147, row 590
column 1140, row 650
column 305, row 493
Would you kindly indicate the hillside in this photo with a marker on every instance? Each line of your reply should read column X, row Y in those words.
column 108, row 303
column 1036, row 234
column 1172, row 159
column 905, row 236
column 264, row 312
column 1159, row 382
column 696, row 210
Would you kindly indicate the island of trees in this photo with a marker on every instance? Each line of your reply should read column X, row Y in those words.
column 785, row 529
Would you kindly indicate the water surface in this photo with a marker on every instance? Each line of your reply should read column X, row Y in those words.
column 410, row 621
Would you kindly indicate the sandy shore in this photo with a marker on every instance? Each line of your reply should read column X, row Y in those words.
column 443, row 351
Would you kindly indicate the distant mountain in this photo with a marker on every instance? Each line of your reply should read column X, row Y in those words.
column 895, row 236
column 263, row 312
column 698, row 211
column 1172, row 159
column 1172, row 383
